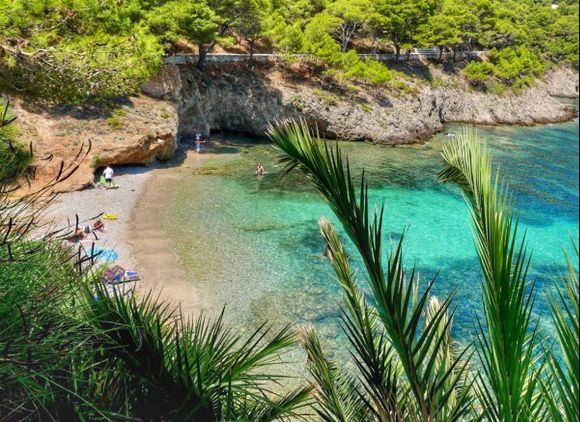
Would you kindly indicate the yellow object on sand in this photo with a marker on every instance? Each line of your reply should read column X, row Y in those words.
column 110, row 216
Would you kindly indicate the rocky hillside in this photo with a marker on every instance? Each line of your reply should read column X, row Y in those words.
column 136, row 131
column 181, row 101
column 244, row 100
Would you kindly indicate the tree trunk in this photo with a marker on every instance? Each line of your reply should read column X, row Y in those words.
column 252, row 42
column 202, row 55
column 440, row 54
column 454, row 53
column 374, row 45
column 397, row 52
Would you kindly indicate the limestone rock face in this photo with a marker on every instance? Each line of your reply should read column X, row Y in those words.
column 533, row 106
column 562, row 83
column 138, row 132
column 181, row 101
column 244, row 100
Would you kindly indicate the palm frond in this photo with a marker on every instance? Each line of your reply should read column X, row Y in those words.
column 338, row 395
column 563, row 390
column 507, row 349
column 198, row 369
column 399, row 307
column 372, row 352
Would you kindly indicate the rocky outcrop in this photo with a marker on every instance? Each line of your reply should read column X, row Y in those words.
column 138, row 131
column 533, row 106
column 183, row 101
column 562, row 83
column 244, row 100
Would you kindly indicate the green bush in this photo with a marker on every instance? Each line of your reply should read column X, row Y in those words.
column 14, row 160
column 365, row 107
column 367, row 70
column 114, row 122
column 512, row 64
column 479, row 72
column 327, row 97
column 515, row 68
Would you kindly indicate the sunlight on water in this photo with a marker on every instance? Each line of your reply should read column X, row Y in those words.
column 254, row 244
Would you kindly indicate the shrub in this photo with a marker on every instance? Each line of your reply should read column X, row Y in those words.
column 370, row 70
column 479, row 72
column 516, row 68
column 164, row 114
column 114, row 122
column 96, row 161
column 327, row 97
column 365, row 107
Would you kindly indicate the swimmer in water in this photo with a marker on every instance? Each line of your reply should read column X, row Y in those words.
column 260, row 170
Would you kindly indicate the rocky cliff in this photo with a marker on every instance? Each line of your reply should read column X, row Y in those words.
column 181, row 101
column 138, row 130
column 247, row 100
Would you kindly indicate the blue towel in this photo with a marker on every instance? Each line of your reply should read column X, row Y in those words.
column 106, row 254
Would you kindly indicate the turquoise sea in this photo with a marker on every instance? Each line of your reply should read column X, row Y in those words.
column 253, row 244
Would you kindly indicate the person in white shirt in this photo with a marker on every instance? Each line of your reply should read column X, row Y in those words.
column 109, row 173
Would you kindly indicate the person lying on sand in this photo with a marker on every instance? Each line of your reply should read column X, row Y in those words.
column 98, row 226
column 78, row 236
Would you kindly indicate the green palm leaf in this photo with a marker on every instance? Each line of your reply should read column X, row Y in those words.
column 185, row 369
column 563, row 390
column 398, row 304
column 508, row 387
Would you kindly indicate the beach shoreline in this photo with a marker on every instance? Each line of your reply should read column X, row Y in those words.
column 153, row 251
column 138, row 240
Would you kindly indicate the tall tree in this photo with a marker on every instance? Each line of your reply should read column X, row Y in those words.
column 452, row 26
column 402, row 20
column 192, row 20
column 72, row 50
column 352, row 16
column 253, row 21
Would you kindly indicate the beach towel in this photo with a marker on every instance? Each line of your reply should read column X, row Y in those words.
column 114, row 274
column 131, row 276
column 106, row 254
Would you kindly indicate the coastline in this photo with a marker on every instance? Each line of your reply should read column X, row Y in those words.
column 137, row 236
column 139, row 242
column 154, row 254
column 89, row 203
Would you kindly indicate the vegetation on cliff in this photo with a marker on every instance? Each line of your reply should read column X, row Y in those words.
column 81, row 48
column 14, row 156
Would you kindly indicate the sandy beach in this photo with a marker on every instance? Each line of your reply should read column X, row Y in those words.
column 136, row 237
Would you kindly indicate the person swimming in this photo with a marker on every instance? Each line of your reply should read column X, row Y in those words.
column 260, row 170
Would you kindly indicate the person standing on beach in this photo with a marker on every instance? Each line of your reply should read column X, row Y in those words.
column 108, row 173
column 198, row 142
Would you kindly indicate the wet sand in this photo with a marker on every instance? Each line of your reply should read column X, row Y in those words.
column 154, row 254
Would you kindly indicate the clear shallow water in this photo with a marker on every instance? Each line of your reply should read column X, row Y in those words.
column 254, row 244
